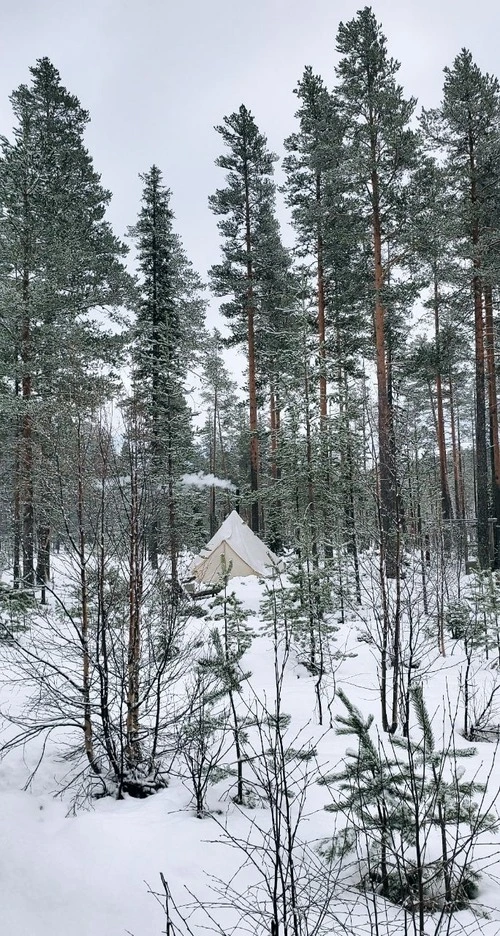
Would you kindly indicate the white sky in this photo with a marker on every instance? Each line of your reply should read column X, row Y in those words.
column 157, row 75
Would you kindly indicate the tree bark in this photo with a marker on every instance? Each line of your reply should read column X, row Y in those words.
column 350, row 504
column 323, row 385
column 274, row 525
column 84, row 603
column 27, row 488
column 457, row 467
column 153, row 546
column 273, row 425
column 43, row 559
column 321, row 312
column 387, row 461
column 483, row 551
column 311, row 501
column 443, row 463
column 135, row 594
column 17, row 525
column 213, row 463
column 252, row 384
column 103, row 653
column 172, row 519
column 493, row 412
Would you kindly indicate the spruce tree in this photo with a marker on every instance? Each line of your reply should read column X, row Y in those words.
column 168, row 330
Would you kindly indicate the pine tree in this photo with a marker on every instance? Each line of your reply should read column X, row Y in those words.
column 490, row 198
column 231, row 638
column 441, row 798
column 381, row 151
column 167, row 332
column 371, row 790
column 61, row 262
column 395, row 799
column 244, row 206
column 314, row 153
column 328, row 230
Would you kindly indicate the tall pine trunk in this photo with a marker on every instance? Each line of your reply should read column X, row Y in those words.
column 441, row 439
column 27, row 457
column 213, row 463
column 153, row 546
column 483, row 551
column 311, row 500
column 480, row 434
column 135, row 596
column 104, row 652
column 275, row 507
column 252, row 383
column 347, row 458
column 84, row 606
column 323, row 387
column 321, row 314
column 457, row 456
column 386, row 441
column 172, row 519
column 43, row 559
column 493, row 412
column 17, row 524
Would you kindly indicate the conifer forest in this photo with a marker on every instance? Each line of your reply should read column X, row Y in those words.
column 308, row 747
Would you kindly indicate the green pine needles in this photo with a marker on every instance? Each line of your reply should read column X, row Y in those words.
column 411, row 819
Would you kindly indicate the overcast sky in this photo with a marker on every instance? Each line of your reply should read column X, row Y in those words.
column 157, row 75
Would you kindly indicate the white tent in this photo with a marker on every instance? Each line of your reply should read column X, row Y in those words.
column 235, row 542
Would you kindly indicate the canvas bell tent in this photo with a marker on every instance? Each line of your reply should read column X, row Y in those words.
column 235, row 544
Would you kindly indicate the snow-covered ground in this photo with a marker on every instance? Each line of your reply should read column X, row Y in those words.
column 88, row 872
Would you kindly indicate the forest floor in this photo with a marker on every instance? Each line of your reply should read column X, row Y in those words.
column 89, row 871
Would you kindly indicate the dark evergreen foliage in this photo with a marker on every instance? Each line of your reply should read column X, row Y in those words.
column 167, row 333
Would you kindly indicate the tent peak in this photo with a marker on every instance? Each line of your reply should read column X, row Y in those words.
column 234, row 545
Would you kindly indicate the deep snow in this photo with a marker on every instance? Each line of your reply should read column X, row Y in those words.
column 88, row 874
